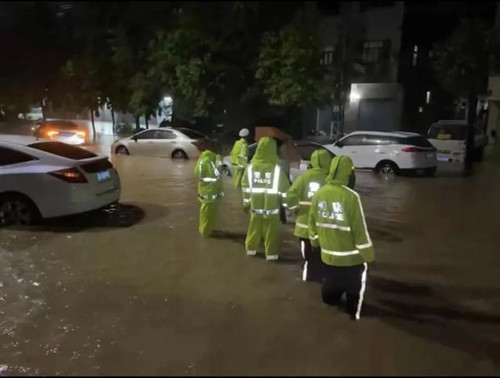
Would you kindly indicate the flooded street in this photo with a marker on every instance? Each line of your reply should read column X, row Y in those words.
column 135, row 290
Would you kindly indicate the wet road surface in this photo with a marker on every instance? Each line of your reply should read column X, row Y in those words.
column 136, row 290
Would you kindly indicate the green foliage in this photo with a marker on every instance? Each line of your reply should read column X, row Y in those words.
column 463, row 61
column 289, row 68
column 182, row 61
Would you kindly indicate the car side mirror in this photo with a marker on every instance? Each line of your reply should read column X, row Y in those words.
column 309, row 166
column 134, row 138
column 339, row 145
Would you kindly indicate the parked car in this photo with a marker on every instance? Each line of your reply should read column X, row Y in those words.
column 295, row 158
column 44, row 179
column 388, row 153
column 177, row 143
column 35, row 114
column 449, row 137
column 63, row 131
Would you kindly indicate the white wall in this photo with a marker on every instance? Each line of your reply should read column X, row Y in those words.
column 392, row 91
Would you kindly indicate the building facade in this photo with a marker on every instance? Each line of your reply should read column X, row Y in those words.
column 493, row 123
column 363, row 40
column 385, row 54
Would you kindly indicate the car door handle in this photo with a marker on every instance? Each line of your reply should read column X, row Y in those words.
column 353, row 152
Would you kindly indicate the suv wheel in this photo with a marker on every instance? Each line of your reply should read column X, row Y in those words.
column 387, row 168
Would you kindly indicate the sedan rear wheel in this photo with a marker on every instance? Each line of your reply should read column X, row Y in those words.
column 122, row 150
column 17, row 210
column 179, row 154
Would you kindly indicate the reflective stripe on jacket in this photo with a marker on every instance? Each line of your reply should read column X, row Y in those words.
column 239, row 153
column 264, row 184
column 300, row 194
column 337, row 222
column 209, row 178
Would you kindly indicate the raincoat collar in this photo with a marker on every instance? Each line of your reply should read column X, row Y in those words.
column 267, row 152
column 320, row 160
column 341, row 170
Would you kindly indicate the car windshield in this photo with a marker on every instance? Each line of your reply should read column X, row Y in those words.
column 61, row 125
column 191, row 133
column 417, row 141
column 447, row 132
column 63, row 150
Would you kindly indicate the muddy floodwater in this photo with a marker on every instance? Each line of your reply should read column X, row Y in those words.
column 134, row 289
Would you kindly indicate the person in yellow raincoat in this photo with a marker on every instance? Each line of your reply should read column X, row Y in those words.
column 264, row 186
column 239, row 157
column 209, row 191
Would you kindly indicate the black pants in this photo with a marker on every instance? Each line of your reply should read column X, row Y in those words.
column 313, row 266
column 351, row 280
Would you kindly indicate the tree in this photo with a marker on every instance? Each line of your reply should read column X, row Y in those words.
column 462, row 64
column 183, row 62
column 83, row 87
column 289, row 68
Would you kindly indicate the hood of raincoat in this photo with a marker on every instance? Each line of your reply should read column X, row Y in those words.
column 266, row 152
column 321, row 159
column 341, row 170
column 205, row 154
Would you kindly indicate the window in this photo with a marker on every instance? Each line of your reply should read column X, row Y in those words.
column 149, row 134
column 375, row 51
column 375, row 140
column 63, row 150
column 447, row 132
column 191, row 134
column 415, row 55
column 64, row 125
column 417, row 141
column 165, row 134
column 354, row 140
column 327, row 57
column 9, row 157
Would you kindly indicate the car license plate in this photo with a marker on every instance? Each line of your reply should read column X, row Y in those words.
column 442, row 158
column 103, row 176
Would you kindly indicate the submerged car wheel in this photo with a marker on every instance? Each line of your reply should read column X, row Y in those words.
column 179, row 154
column 387, row 168
column 122, row 150
column 225, row 171
column 17, row 210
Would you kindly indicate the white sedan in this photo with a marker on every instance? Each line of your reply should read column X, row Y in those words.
column 388, row 153
column 45, row 179
column 178, row 143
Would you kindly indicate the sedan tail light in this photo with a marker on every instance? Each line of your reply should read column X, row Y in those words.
column 72, row 175
column 412, row 149
column 200, row 145
column 52, row 133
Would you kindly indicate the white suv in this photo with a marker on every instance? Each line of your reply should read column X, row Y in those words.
column 388, row 152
